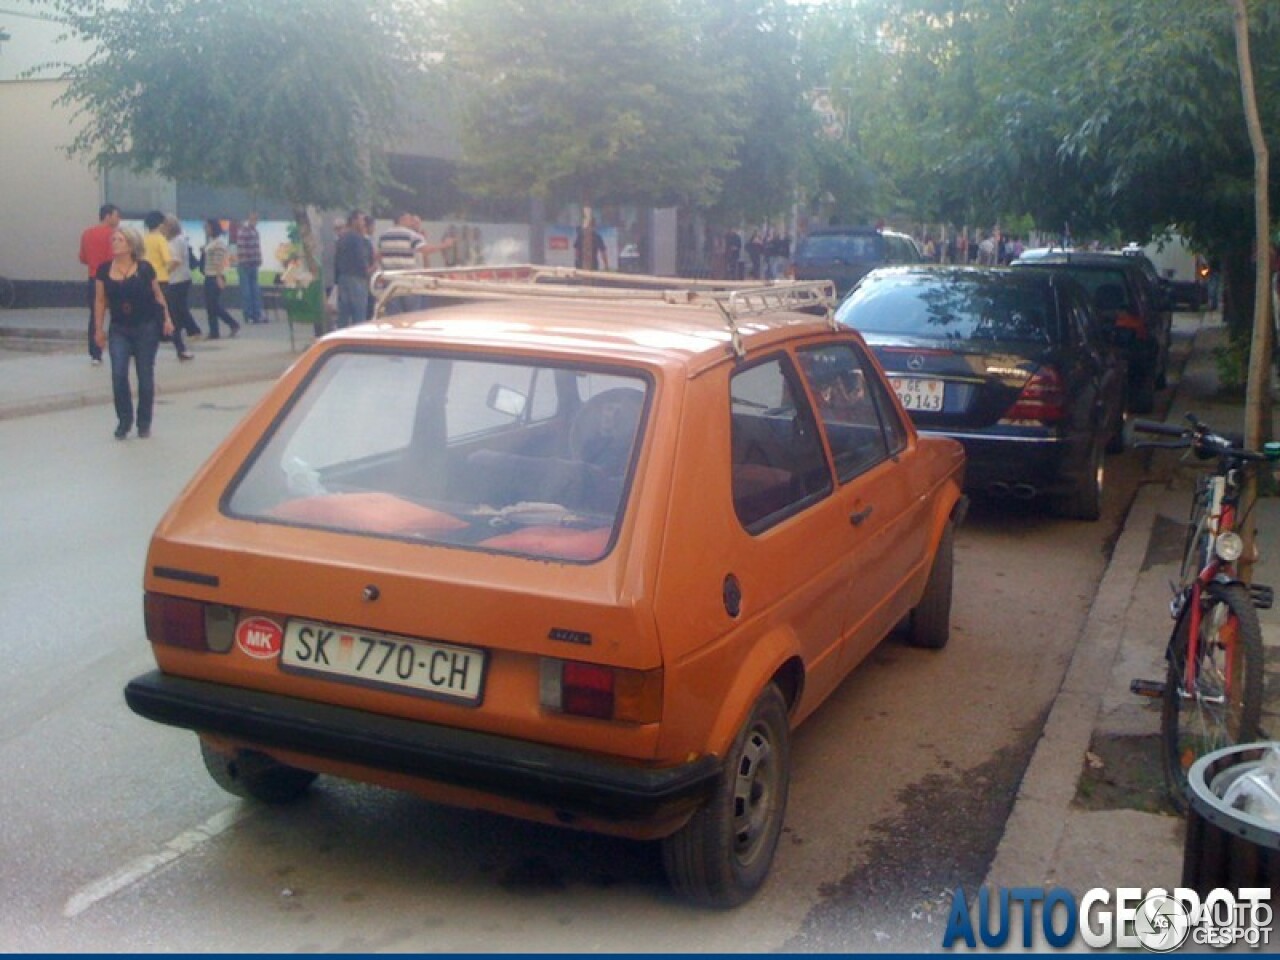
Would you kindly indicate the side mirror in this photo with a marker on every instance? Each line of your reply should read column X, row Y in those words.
column 506, row 400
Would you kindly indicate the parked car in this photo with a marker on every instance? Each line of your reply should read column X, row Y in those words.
column 844, row 255
column 1129, row 304
column 580, row 556
column 1012, row 364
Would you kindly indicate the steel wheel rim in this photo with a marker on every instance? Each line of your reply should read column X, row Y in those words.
column 755, row 795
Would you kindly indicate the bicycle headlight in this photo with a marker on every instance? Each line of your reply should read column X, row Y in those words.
column 1228, row 546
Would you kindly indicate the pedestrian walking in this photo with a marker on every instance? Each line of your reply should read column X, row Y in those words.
column 248, row 261
column 95, row 250
column 126, row 288
column 156, row 250
column 755, row 253
column 179, row 292
column 216, row 256
column 353, row 261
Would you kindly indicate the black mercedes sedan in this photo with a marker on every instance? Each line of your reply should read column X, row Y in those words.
column 1012, row 363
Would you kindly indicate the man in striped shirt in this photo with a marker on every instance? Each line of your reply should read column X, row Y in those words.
column 403, row 247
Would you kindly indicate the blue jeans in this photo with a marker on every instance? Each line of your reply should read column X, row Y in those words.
column 140, row 342
column 95, row 351
column 213, row 305
column 353, row 300
column 250, row 293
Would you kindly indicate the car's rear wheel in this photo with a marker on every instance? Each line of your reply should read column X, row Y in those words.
column 1084, row 502
column 722, row 855
column 255, row 776
column 929, row 624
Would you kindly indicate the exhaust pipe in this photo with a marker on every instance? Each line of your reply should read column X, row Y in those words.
column 998, row 488
column 1023, row 491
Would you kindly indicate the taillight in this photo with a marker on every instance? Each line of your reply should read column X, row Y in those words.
column 604, row 693
column 179, row 622
column 1042, row 398
column 1130, row 321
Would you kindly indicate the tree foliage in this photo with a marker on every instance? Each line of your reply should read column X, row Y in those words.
column 594, row 101
column 284, row 98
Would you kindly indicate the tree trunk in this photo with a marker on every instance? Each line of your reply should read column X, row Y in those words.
column 1257, row 404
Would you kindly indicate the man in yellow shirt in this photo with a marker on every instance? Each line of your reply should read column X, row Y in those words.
column 155, row 248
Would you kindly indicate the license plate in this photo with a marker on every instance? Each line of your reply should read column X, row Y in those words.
column 396, row 663
column 919, row 394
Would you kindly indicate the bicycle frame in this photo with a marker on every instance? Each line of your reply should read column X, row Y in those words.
column 1219, row 517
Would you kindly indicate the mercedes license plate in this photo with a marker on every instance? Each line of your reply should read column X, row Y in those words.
column 919, row 394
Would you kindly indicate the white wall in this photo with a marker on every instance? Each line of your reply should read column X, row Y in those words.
column 46, row 199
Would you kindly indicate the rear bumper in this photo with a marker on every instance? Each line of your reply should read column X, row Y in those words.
column 561, row 780
column 1042, row 465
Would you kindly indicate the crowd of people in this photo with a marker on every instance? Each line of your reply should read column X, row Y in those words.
column 139, row 295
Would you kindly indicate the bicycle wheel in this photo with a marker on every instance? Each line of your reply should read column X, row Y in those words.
column 1226, row 704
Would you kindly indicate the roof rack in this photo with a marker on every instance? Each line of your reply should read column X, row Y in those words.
column 737, row 301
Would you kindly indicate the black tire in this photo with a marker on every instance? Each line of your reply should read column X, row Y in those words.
column 255, row 776
column 1084, row 502
column 722, row 855
column 1190, row 727
column 929, row 624
column 1142, row 393
column 1115, row 439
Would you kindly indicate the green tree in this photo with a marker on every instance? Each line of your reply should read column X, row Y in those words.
column 285, row 99
column 589, row 101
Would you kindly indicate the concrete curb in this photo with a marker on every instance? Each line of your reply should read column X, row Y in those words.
column 253, row 373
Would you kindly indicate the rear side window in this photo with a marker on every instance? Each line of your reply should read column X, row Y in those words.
column 778, row 462
column 951, row 309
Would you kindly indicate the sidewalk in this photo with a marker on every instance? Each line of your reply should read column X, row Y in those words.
column 1057, row 835
column 44, row 360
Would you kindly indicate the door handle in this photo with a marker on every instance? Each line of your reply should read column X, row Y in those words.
column 858, row 516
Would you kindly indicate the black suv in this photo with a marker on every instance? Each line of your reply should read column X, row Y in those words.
column 1136, row 314
column 844, row 255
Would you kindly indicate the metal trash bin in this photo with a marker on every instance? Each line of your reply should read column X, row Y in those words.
column 1227, row 847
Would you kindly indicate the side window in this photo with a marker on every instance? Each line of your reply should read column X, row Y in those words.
column 843, row 386
column 777, row 458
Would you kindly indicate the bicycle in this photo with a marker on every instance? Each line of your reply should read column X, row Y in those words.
column 1212, row 693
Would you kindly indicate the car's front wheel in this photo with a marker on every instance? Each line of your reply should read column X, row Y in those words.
column 255, row 776
column 929, row 624
column 722, row 855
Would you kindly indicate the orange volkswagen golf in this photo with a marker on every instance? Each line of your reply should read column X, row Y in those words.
column 582, row 554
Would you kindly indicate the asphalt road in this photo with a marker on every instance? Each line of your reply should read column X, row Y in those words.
column 113, row 838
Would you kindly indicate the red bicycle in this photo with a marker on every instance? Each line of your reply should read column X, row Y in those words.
column 1213, row 689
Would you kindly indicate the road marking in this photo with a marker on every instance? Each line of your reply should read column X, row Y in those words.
column 142, row 867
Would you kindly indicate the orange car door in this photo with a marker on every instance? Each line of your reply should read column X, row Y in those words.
column 884, row 529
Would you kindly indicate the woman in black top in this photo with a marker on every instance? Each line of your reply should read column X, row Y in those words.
column 127, row 286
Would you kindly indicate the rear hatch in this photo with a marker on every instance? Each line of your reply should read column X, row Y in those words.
column 359, row 547
column 843, row 258
column 964, row 350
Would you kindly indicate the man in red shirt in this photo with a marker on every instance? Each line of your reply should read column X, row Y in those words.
column 95, row 250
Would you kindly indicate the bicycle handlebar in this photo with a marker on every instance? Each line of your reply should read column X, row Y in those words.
column 1199, row 436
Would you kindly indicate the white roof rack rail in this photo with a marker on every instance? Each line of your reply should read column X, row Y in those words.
column 737, row 301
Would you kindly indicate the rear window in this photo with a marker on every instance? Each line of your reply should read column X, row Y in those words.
column 522, row 458
column 1107, row 289
column 849, row 247
column 944, row 308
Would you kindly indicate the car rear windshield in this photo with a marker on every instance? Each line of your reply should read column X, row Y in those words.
column 524, row 458
column 847, row 247
column 1107, row 287
column 947, row 307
